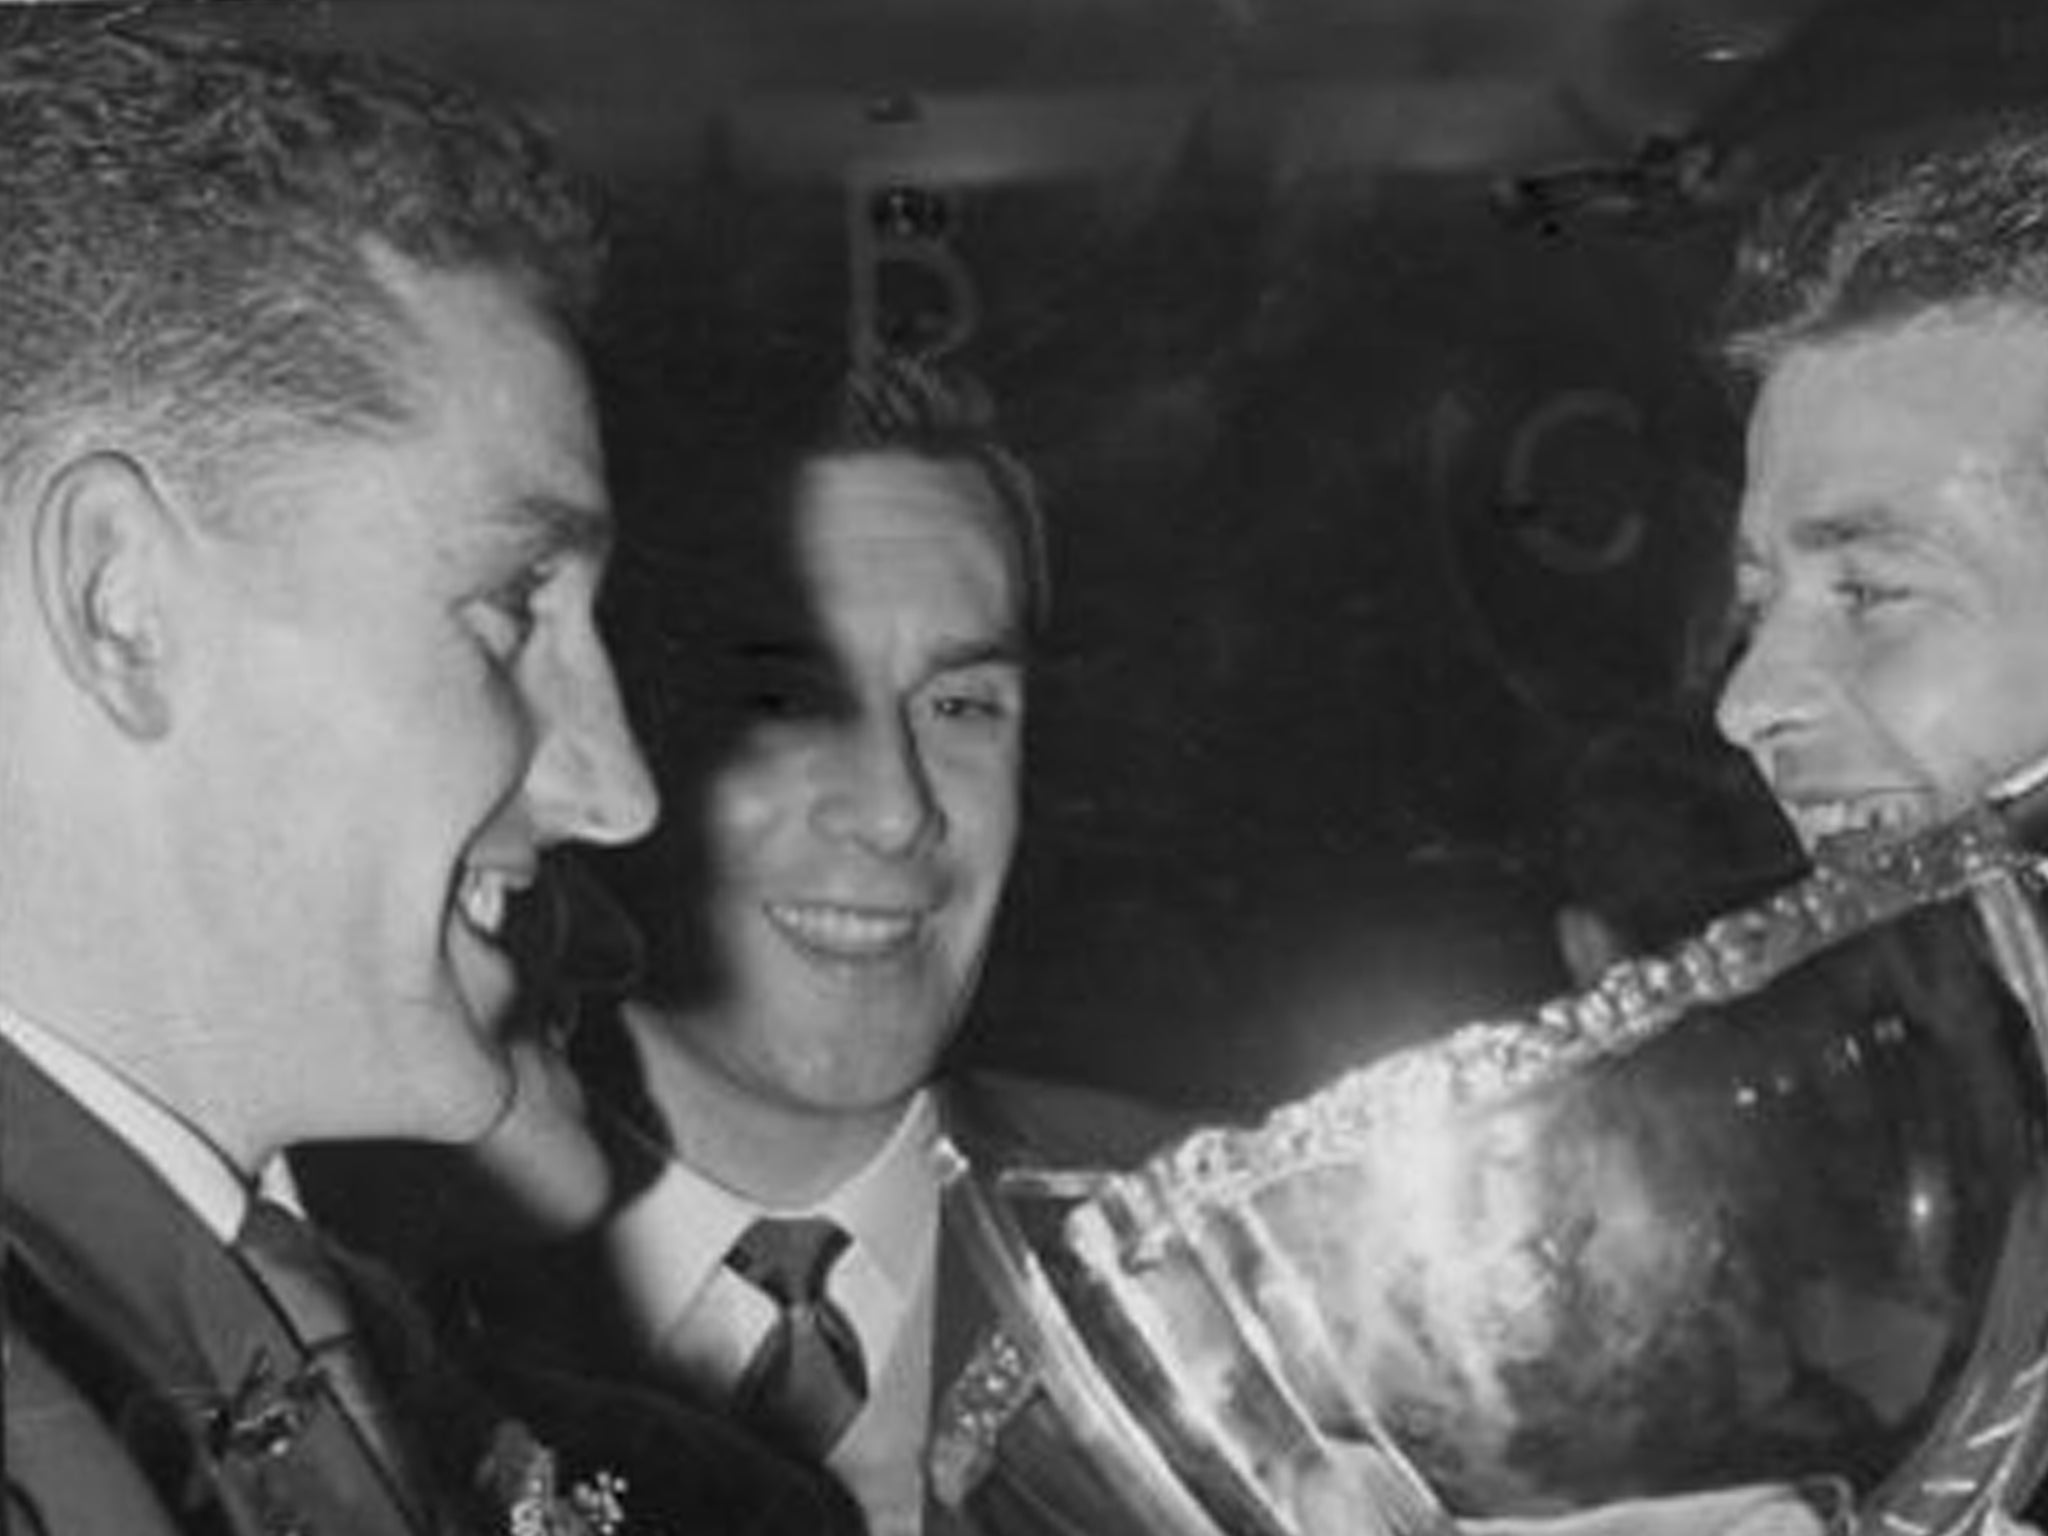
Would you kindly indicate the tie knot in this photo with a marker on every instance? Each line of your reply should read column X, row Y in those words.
column 789, row 1257
column 806, row 1379
column 292, row 1262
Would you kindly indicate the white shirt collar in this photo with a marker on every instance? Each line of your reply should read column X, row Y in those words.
column 197, row 1171
column 668, row 1240
column 890, row 1205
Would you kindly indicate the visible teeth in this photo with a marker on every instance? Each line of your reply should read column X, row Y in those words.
column 483, row 898
column 845, row 931
column 1859, row 818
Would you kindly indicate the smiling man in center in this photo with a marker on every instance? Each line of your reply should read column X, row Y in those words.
column 847, row 683
column 860, row 835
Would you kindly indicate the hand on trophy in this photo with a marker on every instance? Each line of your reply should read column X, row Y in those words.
column 1360, row 1494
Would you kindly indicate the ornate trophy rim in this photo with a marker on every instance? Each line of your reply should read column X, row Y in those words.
column 1204, row 1186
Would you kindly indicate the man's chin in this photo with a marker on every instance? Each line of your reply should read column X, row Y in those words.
column 470, row 1087
column 469, row 1112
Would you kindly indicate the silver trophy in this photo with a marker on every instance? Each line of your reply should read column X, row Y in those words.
column 1772, row 1206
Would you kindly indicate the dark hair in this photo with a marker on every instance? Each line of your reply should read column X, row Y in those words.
column 1950, row 216
column 185, row 252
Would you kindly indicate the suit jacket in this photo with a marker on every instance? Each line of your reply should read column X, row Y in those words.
column 685, row 1469
column 532, row 1311
column 150, row 1387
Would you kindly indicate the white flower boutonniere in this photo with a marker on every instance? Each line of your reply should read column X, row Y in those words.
column 522, row 1477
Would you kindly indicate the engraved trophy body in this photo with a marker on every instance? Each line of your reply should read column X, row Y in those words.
column 1772, row 1206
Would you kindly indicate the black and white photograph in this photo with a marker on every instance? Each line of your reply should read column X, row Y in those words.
column 1024, row 767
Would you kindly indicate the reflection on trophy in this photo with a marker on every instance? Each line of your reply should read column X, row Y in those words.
column 1772, row 1206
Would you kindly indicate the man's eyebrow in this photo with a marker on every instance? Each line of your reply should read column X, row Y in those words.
column 1870, row 523
column 780, row 650
column 1006, row 649
column 947, row 656
column 558, row 524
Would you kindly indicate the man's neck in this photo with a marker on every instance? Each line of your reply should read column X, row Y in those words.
column 172, row 1066
column 80, row 958
column 781, row 1154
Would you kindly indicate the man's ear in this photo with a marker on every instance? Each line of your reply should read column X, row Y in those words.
column 104, row 538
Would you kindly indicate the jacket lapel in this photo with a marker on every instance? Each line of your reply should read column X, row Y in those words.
column 976, row 1123
column 963, row 1311
column 108, row 1242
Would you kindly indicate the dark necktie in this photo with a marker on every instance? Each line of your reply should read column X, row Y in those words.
column 806, row 1380
column 292, row 1265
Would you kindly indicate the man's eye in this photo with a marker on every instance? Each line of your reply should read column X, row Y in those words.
column 779, row 703
column 791, row 691
column 972, row 705
column 1860, row 595
column 506, row 614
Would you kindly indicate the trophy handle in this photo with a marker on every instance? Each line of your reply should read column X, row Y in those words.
column 1992, row 1447
column 1036, row 1352
column 1101, row 1470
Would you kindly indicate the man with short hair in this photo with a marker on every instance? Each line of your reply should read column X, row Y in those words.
column 1892, row 561
column 1892, row 564
column 846, row 789
column 1894, row 527
column 1892, row 582
column 302, row 516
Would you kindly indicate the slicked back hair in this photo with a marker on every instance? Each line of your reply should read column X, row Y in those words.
column 187, row 222
column 1951, row 218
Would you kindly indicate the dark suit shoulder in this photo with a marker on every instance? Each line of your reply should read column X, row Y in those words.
column 68, row 1472
column 1061, row 1124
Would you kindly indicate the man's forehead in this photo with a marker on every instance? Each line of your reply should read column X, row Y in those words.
column 871, row 498
column 538, row 527
column 950, row 487
column 1914, row 437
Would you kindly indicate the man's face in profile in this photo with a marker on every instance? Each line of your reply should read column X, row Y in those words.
column 860, row 834
column 400, row 701
column 1893, row 573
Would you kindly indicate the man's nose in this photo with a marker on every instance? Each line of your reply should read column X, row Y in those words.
column 1771, row 690
column 877, row 788
column 589, row 782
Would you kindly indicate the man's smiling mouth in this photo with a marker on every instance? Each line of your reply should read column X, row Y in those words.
column 484, row 898
column 849, row 933
column 1847, row 823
